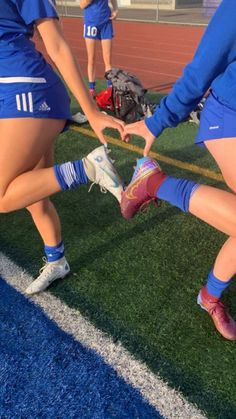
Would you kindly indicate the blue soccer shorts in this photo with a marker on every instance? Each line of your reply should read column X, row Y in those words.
column 216, row 121
column 49, row 102
column 104, row 31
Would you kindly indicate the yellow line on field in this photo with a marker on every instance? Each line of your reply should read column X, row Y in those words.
column 172, row 162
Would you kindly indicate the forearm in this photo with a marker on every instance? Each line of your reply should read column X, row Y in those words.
column 114, row 4
column 62, row 56
column 71, row 73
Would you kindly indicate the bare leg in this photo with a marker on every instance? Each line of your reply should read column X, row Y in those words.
column 44, row 213
column 47, row 222
column 107, row 52
column 218, row 208
column 22, row 146
column 91, row 53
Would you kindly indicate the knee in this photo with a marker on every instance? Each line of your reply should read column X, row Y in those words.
column 6, row 206
column 231, row 183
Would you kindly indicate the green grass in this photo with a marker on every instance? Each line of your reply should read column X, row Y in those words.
column 138, row 280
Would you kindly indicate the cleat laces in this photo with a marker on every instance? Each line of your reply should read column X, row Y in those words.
column 47, row 267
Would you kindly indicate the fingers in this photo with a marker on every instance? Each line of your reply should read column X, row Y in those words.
column 102, row 139
column 126, row 138
column 131, row 129
column 147, row 147
column 109, row 122
column 118, row 125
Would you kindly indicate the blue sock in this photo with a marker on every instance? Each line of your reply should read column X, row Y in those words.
column 177, row 192
column 215, row 286
column 54, row 253
column 109, row 83
column 71, row 174
column 92, row 85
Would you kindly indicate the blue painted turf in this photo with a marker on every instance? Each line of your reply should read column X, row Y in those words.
column 45, row 373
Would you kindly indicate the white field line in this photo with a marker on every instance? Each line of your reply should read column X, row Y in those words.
column 168, row 402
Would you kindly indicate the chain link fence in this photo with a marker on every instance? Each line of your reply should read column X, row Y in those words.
column 193, row 12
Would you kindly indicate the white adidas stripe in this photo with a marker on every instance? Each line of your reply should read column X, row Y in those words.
column 168, row 402
column 25, row 102
column 18, row 103
column 30, row 100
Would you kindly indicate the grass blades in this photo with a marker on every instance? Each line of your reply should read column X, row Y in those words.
column 138, row 280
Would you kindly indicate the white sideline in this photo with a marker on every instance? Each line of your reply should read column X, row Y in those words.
column 168, row 402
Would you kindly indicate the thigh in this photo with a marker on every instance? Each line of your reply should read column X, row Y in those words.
column 23, row 143
column 91, row 49
column 224, row 152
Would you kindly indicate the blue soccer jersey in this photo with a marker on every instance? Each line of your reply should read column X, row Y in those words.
column 97, row 13
column 20, row 63
column 213, row 65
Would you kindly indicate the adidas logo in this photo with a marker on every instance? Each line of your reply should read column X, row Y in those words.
column 214, row 127
column 44, row 107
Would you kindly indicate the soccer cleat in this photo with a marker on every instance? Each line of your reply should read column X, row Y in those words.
column 49, row 273
column 216, row 309
column 100, row 170
column 79, row 118
column 136, row 195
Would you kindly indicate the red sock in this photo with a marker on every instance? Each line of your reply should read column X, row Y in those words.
column 154, row 182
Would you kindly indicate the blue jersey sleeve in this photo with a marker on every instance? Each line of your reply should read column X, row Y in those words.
column 31, row 10
column 215, row 52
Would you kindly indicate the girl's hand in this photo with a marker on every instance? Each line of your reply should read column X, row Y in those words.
column 114, row 14
column 99, row 121
column 140, row 129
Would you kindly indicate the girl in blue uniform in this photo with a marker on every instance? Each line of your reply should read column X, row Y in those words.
column 34, row 108
column 213, row 66
column 98, row 19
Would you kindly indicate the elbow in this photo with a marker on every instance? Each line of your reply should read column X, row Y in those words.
column 57, row 51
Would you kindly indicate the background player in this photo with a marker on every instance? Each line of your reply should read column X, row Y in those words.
column 98, row 26
column 34, row 107
column 212, row 66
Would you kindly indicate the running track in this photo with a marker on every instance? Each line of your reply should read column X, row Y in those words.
column 156, row 53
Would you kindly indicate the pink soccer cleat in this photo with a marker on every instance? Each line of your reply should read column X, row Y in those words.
column 137, row 194
column 216, row 309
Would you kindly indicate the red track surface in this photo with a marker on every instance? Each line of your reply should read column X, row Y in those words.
column 156, row 53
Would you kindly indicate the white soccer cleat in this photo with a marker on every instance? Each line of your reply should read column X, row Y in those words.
column 100, row 170
column 79, row 118
column 49, row 273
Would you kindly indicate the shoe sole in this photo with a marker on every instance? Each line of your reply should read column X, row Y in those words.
column 199, row 302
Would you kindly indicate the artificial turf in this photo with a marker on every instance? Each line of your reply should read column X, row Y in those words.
column 138, row 280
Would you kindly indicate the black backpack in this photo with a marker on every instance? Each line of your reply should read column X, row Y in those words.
column 128, row 96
